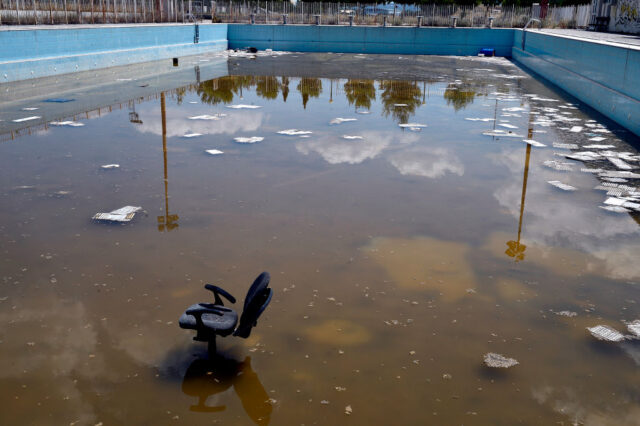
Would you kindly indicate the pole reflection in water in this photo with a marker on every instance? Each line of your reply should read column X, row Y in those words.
column 205, row 378
column 167, row 222
column 516, row 249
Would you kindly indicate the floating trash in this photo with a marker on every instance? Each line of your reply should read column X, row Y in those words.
column 495, row 360
column 193, row 102
column 123, row 214
column 66, row 123
column 252, row 139
column 619, row 174
column 341, row 120
column 576, row 129
column 634, row 328
column 514, row 109
column 507, row 125
column 400, row 105
column 561, row 185
column 583, row 156
column 568, row 314
column 214, row 152
column 363, row 112
column 20, row 120
column 110, row 166
column 59, row 100
column 596, row 146
column 534, row 143
column 348, row 410
column 501, row 133
column 30, row 108
column 605, row 333
column 621, row 202
column 558, row 165
column 207, row 117
column 191, row 135
column 412, row 125
column 294, row 132
column 565, row 145
column 480, row 119
column 124, row 79
column 619, row 163
column 597, row 139
column 241, row 106
column 351, row 137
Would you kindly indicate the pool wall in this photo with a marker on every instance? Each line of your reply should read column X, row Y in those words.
column 32, row 52
column 604, row 76
column 363, row 39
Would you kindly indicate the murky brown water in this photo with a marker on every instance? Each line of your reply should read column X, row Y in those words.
column 398, row 259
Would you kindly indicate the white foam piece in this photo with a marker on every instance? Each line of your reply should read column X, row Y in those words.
column 400, row 105
column 123, row 214
column 501, row 133
column 619, row 163
column 412, row 125
column 110, row 166
column 508, row 126
column 605, row 333
column 66, row 123
column 30, row 108
column 597, row 139
column 634, row 328
column 514, row 109
column 341, row 120
column 495, row 360
column 214, row 152
column 206, row 117
column 191, row 135
column 596, row 146
column 576, row 129
column 20, row 120
column 615, row 209
column 479, row 119
column 558, row 165
column 533, row 143
column 294, row 132
column 565, row 145
column 252, row 139
column 351, row 137
column 242, row 106
column 561, row 185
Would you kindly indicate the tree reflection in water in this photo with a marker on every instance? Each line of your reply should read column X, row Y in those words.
column 223, row 89
column 309, row 88
column 360, row 93
column 459, row 95
column 285, row 88
column 400, row 99
column 267, row 87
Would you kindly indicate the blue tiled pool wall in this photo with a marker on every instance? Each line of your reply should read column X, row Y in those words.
column 602, row 76
column 361, row 39
column 33, row 53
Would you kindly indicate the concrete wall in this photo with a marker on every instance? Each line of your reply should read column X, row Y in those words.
column 361, row 39
column 32, row 52
column 603, row 76
column 625, row 17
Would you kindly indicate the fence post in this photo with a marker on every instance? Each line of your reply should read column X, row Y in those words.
column 18, row 11
column 419, row 21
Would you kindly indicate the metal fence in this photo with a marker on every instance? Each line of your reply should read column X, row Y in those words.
column 29, row 12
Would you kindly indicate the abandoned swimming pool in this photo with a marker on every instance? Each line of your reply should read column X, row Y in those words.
column 415, row 213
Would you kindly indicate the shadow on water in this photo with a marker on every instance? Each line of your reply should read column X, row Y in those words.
column 204, row 376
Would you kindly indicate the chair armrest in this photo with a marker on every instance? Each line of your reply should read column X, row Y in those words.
column 217, row 291
column 199, row 311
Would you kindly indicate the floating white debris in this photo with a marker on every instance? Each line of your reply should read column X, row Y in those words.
column 30, row 108
column 479, row 119
column 110, row 166
column 558, row 165
column 569, row 314
column 191, row 135
column 20, row 120
column 514, row 109
column 412, row 125
column 123, row 79
column 597, row 139
column 214, row 151
column 400, row 105
column 252, row 139
column 351, row 137
column 363, row 112
column 606, row 333
column 565, row 145
column 294, row 132
column 620, row 174
column 619, row 163
column 615, row 209
column 621, row 202
column 583, row 156
column 193, row 102
column 596, row 146
column 533, row 143
column 561, row 185
column 241, row 106
column 348, row 410
column 508, row 126
column 634, row 328
column 587, row 170
column 341, row 120
column 495, row 360
column 123, row 214
column 576, row 129
column 501, row 133
column 207, row 117
column 66, row 123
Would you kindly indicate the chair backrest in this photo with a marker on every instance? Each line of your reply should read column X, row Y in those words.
column 256, row 301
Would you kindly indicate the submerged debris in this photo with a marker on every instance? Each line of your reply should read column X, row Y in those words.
column 605, row 333
column 495, row 360
column 252, row 139
column 561, row 185
column 123, row 214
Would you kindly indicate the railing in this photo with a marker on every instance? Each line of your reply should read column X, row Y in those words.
column 30, row 12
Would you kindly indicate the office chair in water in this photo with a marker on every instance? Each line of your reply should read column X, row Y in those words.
column 214, row 319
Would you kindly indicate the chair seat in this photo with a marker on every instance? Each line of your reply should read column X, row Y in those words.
column 213, row 322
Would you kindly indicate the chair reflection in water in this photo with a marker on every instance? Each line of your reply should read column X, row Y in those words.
column 205, row 378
